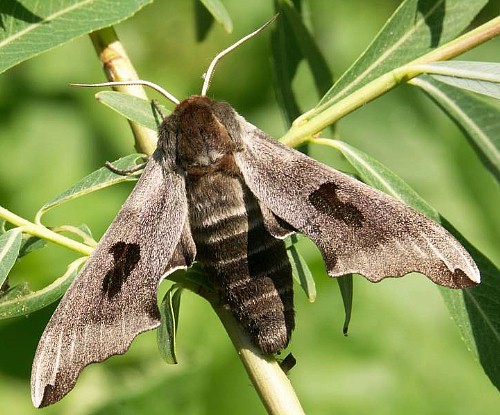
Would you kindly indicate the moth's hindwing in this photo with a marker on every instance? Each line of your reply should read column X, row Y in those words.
column 113, row 299
column 358, row 229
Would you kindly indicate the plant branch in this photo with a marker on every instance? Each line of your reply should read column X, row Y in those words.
column 273, row 386
column 42, row 232
column 319, row 118
column 118, row 67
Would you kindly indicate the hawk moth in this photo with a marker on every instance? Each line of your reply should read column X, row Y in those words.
column 220, row 191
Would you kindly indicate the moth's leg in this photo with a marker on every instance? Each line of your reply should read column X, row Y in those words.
column 158, row 109
column 288, row 363
column 125, row 172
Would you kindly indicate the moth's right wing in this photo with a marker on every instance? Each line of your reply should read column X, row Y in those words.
column 113, row 299
column 359, row 230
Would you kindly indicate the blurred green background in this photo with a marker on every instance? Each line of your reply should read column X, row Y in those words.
column 403, row 353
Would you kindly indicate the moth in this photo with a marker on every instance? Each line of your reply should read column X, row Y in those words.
column 220, row 191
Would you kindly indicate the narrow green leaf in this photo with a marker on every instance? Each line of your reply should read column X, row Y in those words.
column 301, row 271
column 14, row 292
column 309, row 49
column 486, row 71
column 480, row 322
column 479, row 120
column 475, row 310
column 32, row 26
column 169, row 316
column 220, row 14
column 97, row 180
column 10, row 243
column 22, row 301
column 30, row 244
column 346, row 290
column 490, row 89
column 138, row 110
column 483, row 71
column 203, row 20
column 286, row 56
column 291, row 43
column 415, row 28
column 480, row 77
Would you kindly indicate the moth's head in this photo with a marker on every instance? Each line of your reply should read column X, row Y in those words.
column 206, row 132
column 201, row 134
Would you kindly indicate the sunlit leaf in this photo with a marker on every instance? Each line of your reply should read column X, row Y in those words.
column 31, row 27
column 135, row 109
column 17, row 291
column 480, row 77
column 194, row 276
column 30, row 244
column 86, row 230
column 97, row 180
column 479, row 120
column 20, row 302
column 10, row 242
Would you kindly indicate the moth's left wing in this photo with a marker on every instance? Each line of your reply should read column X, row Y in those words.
column 113, row 299
column 357, row 229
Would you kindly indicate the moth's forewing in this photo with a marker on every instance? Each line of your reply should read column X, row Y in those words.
column 113, row 299
column 358, row 229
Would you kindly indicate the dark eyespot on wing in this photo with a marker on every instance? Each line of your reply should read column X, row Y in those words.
column 125, row 258
column 325, row 200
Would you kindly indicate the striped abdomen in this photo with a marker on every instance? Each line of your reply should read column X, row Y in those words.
column 248, row 267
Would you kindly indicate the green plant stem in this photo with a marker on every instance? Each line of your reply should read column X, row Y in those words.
column 319, row 118
column 87, row 240
column 44, row 233
column 118, row 67
column 271, row 383
column 273, row 386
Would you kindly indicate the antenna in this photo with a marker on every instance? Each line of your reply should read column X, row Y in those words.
column 207, row 76
column 220, row 55
column 152, row 85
